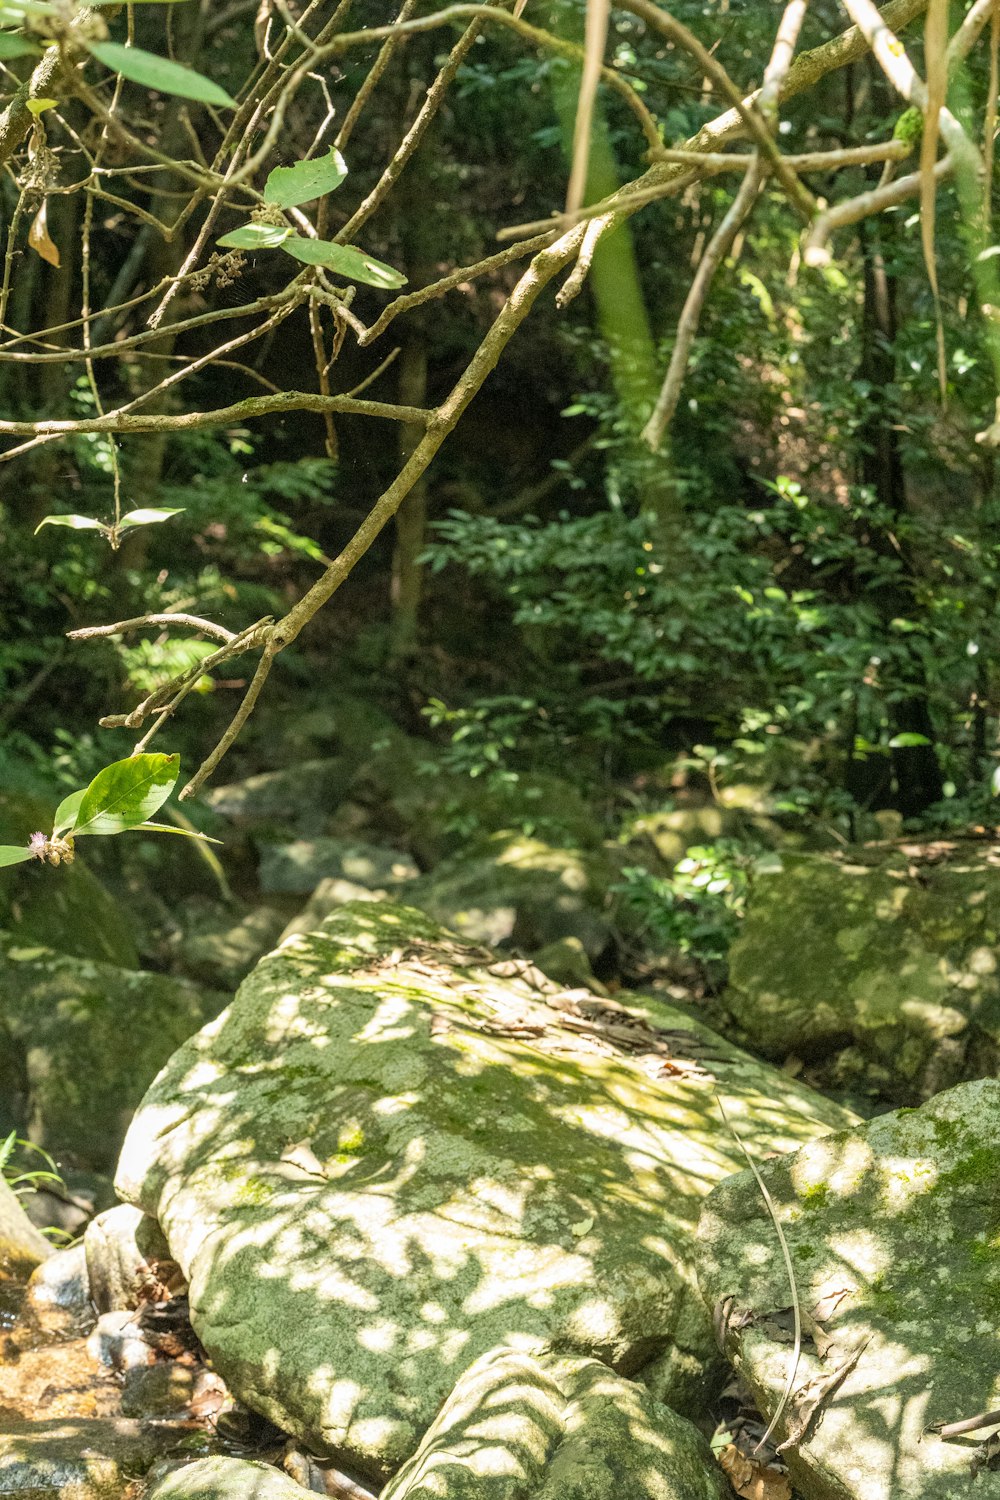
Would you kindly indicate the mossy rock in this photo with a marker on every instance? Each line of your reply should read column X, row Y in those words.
column 439, row 813
column 893, row 954
column 512, row 889
column 894, row 1235
column 66, row 908
column 518, row 1427
column 389, row 1156
column 81, row 1041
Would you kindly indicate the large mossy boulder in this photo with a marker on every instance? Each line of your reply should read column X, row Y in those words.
column 391, row 1155
column 79, row 1044
column 895, row 953
column 512, row 889
column 894, row 1234
column 520, row 1427
column 68, row 908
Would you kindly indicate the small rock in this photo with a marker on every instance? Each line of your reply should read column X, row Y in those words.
column 71, row 1205
column 127, row 1256
column 298, row 868
column 225, row 1479
column 117, row 1343
column 217, row 946
column 22, row 1247
column 58, row 1296
column 160, row 1390
column 567, row 963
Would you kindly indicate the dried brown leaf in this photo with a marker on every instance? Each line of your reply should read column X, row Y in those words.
column 40, row 240
column 753, row 1480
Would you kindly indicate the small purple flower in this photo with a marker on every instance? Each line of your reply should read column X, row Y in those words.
column 38, row 844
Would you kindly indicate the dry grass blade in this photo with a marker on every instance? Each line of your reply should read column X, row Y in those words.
column 796, row 1309
column 936, row 65
column 595, row 41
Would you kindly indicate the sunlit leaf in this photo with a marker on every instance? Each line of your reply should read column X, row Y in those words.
column 255, row 237
column 147, row 517
column 184, row 833
column 11, row 854
column 38, row 107
column 67, row 811
column 907, row 741
column 287, row 187
column 126, row 793
column 345, row 260
column 159, row 73
column 77, row 523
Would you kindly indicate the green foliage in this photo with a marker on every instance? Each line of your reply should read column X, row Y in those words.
column 697, row 909
column 122, row 796
column 160, row 73
column 18, row 1164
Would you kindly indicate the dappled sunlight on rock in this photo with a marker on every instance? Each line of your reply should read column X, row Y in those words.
column 379, row 1124
column 894, row 1234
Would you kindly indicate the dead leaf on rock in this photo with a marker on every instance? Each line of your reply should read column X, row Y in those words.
column 753, row 1480
column 40, row 240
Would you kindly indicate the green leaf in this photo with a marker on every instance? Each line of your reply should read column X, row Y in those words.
column 255, row 237
column 11, row 854
column 126, row 793
column 16, row 46
column 184, row 833
column 346, row 260
column 147, row 517
column 67, row 811
column 159, row 73
column 287, row 187
column 907, row 741
column 78, row 523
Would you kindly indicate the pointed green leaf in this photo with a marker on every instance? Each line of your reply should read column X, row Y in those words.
column 184, row 833
column 287, row 187
column 346, row 260
column 11, row 854
column 159, row 73
column 907, row 741
column 78, row 523
column 16, row 46
column 126, row 793
column 67, row 811
column 255, row 237
column 148, row 517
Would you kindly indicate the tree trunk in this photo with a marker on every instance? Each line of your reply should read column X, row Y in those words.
column 915, row 770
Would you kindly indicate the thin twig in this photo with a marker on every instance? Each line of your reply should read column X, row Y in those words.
column 143, row 622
